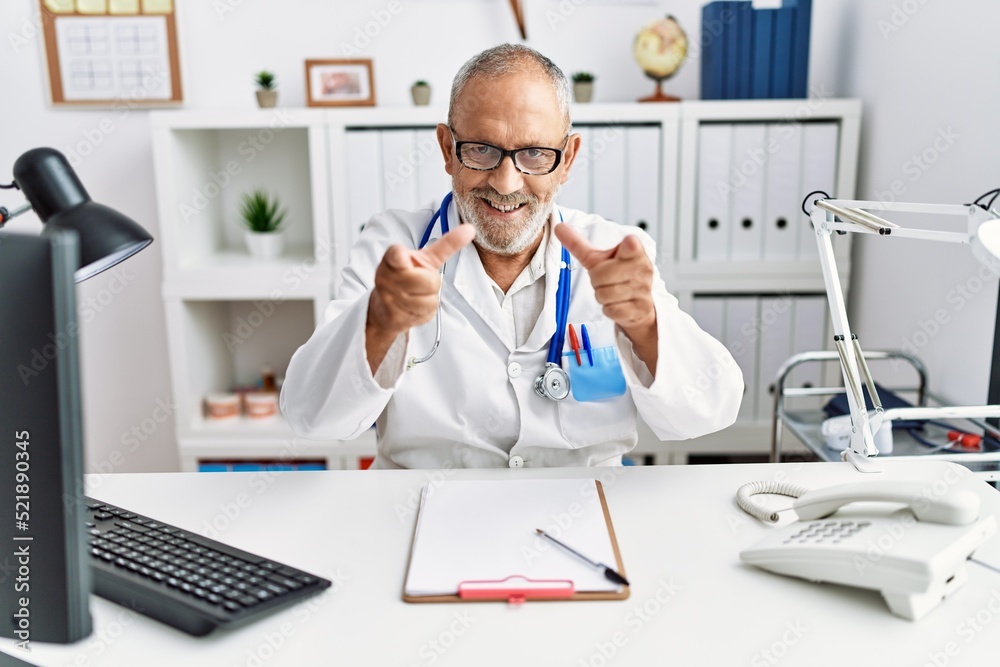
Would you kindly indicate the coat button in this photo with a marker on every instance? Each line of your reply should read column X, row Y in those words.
column 515, row 462
column 514, row 369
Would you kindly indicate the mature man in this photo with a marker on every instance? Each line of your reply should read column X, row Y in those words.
column 481, row 400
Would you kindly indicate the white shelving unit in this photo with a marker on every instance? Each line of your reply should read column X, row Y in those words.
column 228, row 314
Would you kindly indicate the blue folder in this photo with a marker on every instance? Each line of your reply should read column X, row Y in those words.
column 799, row 75
column 763, row 50
column 713, row 52
column 781, row 63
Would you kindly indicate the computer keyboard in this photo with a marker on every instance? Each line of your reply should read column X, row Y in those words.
column 190, row 582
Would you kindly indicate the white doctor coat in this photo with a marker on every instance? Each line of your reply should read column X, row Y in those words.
column 473, row 403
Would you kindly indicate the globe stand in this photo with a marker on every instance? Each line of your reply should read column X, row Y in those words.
column 659, row 96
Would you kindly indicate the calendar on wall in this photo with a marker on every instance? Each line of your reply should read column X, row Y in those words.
column 112, row 52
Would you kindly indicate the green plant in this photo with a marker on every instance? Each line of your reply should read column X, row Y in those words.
column 583, row 77
column 259, row 213
column 421, row 82
column 266, row 80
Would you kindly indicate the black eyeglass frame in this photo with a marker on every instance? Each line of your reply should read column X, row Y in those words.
column 504, row 153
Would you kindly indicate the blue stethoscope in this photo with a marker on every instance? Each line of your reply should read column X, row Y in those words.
column 553, row 382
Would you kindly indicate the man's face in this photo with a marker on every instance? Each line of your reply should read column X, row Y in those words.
column 507, row 208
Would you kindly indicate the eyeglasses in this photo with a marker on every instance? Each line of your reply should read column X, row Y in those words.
column 531, row 160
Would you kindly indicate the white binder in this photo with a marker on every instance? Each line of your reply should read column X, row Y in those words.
column 364, row 178
column 575, row 192
column 710, row 314
column 399, row 169
column 819, row 172
column 775, row 341
column 643, row 179
column 607, row 154
column 713, row 202
column 740, row 338
column 747, row 177
column 784, row 220
column 808, row 334
column 433, row 182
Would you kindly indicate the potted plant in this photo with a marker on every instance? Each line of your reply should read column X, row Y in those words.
column 267, row 95
column 262, row 217
column 583, row 86
column 421, row 92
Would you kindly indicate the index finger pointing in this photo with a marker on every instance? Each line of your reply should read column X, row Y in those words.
column 579, row 247
column 435, row 255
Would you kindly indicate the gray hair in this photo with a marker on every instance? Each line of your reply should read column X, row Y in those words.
column 509, row 59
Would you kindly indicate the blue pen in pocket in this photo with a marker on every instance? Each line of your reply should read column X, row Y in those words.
column 600, row 376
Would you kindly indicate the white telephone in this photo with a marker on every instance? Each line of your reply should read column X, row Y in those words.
column 915, row 556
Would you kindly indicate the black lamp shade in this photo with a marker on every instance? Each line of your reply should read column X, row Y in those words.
column 57, row 196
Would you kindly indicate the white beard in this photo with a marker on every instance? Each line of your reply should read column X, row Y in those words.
column 499, row 237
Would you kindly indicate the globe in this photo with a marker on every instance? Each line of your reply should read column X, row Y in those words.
column 660, row 48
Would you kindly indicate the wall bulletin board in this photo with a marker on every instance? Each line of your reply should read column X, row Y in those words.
column 104, row 52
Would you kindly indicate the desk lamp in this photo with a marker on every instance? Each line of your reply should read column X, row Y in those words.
column 45, row 588
column 856, row 217
column 55, row 193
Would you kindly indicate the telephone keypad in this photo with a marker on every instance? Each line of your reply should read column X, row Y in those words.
column 822, row 532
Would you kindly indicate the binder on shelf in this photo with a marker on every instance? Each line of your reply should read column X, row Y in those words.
column 399, row 171
column 745, row 49
column 476, row 540
column 748, row 169
column 713, row 52
column 774, row 328
column 783, row 217
column 364, row 180
column 735, row 37
column 742, row 341
column 575, row 192
column 713, row 199
column 607, row 159
column 642, row 178
column 809, row 333
column 763, row 51
column 819, row 172
column 781, row 71
column 799, row 71
column 710, row 314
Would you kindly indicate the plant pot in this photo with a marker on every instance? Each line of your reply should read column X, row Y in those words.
column 421, row 95
column 267, row 98
column 265, row 245
column 583, row 91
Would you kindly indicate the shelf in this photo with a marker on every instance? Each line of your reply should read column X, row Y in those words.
column 234, row 274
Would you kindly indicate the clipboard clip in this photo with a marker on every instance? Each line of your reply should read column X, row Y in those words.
column 516, row 589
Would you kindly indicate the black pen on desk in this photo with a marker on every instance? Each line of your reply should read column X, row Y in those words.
column 608, row 572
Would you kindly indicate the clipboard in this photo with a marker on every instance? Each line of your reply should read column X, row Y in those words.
column 449, row 561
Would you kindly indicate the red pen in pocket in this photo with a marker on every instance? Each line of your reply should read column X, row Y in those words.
column 574, row 344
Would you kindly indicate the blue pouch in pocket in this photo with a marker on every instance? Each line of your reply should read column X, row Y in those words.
column 603, row 380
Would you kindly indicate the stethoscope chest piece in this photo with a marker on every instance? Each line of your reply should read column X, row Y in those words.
column 552, row 383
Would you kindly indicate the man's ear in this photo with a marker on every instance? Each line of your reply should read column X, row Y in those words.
column 569, row 156
column 444, row 141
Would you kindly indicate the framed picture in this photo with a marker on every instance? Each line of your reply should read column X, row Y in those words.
column 340, row 83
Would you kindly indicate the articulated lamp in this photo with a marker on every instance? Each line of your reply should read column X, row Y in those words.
column 55, row 193
column 849, row 216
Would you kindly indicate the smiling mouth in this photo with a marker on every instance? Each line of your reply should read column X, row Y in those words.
column 504, row 208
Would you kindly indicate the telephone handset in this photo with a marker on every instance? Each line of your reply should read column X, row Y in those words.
column 915, row 555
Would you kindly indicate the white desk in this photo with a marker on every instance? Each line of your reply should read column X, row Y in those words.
column 680, row 532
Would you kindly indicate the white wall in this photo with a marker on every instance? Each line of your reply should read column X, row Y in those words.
column 909, row 89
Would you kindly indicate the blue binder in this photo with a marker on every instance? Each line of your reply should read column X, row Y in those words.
column 781, row 63
column 713, row 52
column 799, row 75
column 763, row 50
column 745, row 48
